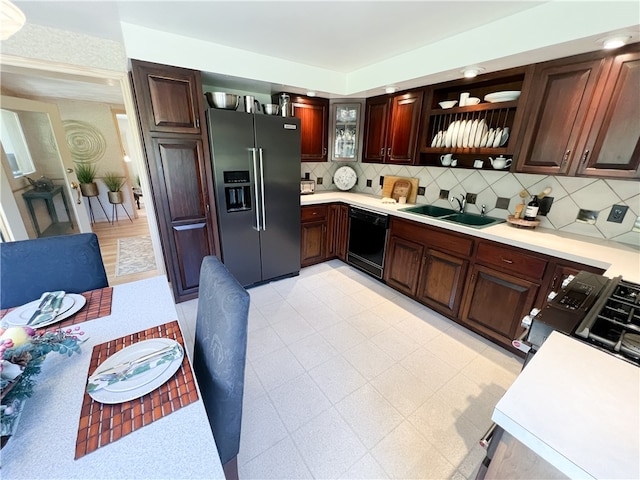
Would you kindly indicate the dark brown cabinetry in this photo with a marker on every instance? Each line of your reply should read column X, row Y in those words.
column 313, row 113
column 171, row 114
column 427, row 263
column 612, row 147
column 338, row 224
column 391, row 128
column 583, row 117
column 496, row 302
column 502, row 288
column 313, row 234
column 469, row 131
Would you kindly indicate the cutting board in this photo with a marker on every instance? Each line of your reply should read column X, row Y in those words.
column 390, row 182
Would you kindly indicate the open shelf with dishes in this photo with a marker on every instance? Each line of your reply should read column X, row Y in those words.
column 474, row 133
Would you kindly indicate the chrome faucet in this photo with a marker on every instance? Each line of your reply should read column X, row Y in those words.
column 484, row 210
column 461, row 203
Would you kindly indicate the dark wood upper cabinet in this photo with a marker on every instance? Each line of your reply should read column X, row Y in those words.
column 171, row 114
column 613, row 145
column 391, row 128
column 583, row 117
column 172, row 100
column 313, row 113
column 375, row 127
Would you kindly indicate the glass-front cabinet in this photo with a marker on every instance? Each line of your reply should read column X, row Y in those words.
column 346, row 131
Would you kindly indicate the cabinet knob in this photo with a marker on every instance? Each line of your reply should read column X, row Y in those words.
column 565, row 158
column 382, row 152
column 324, row 151
column 506, row 260
column 584, row 156
column 389, row 152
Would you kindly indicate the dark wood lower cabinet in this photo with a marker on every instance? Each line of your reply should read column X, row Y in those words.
column 402, row 264
column 338, row 231
column 442, row 281
column 314, row 245
column 495, row 303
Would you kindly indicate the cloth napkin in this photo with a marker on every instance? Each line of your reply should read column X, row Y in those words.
column 96, row 382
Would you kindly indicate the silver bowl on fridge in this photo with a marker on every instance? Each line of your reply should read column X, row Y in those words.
column 271, row 108
column 226, row 101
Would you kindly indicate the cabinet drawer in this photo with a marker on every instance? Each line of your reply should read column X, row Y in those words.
column 511, row 260
column 314, row 214
column 433, row 237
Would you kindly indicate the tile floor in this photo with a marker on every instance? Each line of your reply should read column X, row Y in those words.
column 346, row 378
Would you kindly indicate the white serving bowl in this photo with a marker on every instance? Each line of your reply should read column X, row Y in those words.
column 448, row 103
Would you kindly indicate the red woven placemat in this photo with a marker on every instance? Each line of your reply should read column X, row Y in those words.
column 101, row 424
column 98, row 305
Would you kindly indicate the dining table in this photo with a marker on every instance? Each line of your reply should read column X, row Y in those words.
column 178, row 443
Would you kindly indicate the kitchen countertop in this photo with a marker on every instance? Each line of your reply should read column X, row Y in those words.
column 578, row 408
column 616, row 258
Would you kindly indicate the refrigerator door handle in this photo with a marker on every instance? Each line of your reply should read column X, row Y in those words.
column 255, row 177
column 264, row 216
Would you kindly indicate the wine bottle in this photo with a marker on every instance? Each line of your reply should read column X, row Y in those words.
column 531, row 211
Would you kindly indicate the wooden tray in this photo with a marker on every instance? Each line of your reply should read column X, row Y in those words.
column 390, row 181
column 521, row 222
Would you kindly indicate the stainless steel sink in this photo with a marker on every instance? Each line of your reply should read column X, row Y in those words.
column 472, row 219
column 429, row 210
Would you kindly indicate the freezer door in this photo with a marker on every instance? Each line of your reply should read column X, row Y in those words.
column 278, row 141
column 232, row 141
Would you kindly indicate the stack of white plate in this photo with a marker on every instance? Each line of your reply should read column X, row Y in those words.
column 505, row 96
column 470, row 134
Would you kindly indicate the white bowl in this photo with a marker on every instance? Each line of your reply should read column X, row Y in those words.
column 471, row 101
column 448, row 103
column 506, row 96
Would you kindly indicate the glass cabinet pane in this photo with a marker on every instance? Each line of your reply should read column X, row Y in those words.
column 346, row 132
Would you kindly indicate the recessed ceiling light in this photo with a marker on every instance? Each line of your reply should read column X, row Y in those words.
column 615, row 42
column 390, row 89
column 311, row 93
column 472, row 72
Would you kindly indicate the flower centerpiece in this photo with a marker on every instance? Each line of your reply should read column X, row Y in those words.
column 22, row 351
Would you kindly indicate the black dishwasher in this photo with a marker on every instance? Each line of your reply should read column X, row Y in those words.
column 367, row 240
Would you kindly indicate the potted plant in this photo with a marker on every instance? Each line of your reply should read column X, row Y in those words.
column 86, row 173
column 114, row 183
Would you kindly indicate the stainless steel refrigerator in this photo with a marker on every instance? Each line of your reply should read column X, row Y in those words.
column 256, row 168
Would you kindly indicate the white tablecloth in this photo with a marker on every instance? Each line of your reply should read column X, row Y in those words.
column 179, row 445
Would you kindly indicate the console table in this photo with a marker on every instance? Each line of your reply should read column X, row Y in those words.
column 48, row 197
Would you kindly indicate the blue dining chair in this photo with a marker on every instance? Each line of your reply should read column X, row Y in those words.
column 28, row 268
column 220, row 355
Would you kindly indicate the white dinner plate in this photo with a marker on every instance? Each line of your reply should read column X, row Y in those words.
column 142, row 383
column 467, row 134
column 472, row 134
column 490, row 137
column 71, row 303
column 497, row 138
column 505, row 136
column 448, row 135
column 437, row 140
column 481, row 131
column 461, row 129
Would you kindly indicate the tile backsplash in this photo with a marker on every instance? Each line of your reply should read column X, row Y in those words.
column 497, row 190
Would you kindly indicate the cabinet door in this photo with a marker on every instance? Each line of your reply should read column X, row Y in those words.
column 496, row 302
column 402, row 138
column 313, row 115
column 337, row 235
column 556, row 115
column 180, row 186
column 402, row 264
column 442, row 281
column 375, row 129
column 613, row 146
column 171, row 97
column 313, row 238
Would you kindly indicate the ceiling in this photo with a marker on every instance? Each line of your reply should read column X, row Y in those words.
column 337, row 36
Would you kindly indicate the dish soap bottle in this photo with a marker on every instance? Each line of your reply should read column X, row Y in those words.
column 531, row 211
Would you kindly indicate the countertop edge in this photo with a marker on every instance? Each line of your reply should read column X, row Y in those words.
column 616, row 259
